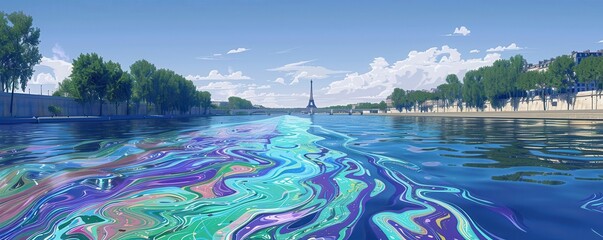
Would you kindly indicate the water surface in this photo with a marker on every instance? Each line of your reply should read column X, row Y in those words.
column 291, row 177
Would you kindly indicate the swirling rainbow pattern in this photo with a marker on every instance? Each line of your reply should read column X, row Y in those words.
column 267, row 179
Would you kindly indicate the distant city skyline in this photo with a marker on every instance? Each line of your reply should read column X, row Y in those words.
column 268, row 51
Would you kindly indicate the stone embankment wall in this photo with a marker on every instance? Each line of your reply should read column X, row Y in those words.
column 29, row 105
column 579, row 101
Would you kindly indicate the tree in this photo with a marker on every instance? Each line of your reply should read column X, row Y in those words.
column 121, row 91
column 114, row 73
column 562, row 73
column 67, row 88
column 517, row 67
column 18, row 51
column 473, row 89
column 91, row 77
column 398, row 98
column 382, row 106
column 591, row 69
column 531, row 80
column 188, row 96
column 451, row 91
column 54, row 110
column 239, row 103
column 141, row 72
column 203, row 100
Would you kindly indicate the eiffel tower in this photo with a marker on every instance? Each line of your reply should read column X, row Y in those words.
column 311, row 105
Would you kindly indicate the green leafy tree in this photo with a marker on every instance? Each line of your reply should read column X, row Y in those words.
column 141, row 72
column 91, row 77
column 416, row 100
column 589, row 70
column 535, row 80
column 121, row 91
column 382, row 106
column 18, row 51
column 54, row 110
column 114, row 73
column 399, row 98
column 187, row 95
column 451, row 91
column 67, row 88
column 561, row 70
column 203, row 100
column 473, row 89
column 239, row 103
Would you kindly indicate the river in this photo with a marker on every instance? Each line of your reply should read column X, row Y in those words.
column 301, row 177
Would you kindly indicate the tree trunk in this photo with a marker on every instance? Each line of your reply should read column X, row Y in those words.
column 592, row 102
column 12, row 96
column 127, row 107
column 598, row 95
column 101, row 107
column 543, row 98
column 567, row 99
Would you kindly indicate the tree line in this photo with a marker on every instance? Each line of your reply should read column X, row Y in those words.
column 366, row 105
column 92, row 79
column 503, row 81
column 18, row 51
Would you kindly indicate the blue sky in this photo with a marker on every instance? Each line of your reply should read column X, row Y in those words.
column 356, row 51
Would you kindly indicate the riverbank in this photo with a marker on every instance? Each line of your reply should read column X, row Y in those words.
column 596, row 115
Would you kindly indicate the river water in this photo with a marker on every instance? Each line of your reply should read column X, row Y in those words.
column 301, row 177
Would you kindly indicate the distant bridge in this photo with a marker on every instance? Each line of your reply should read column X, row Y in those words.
column 293, row 111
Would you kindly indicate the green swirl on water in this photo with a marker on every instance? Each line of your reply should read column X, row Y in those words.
column 269, row 179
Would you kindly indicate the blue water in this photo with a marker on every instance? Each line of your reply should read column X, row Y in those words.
column 510, row 179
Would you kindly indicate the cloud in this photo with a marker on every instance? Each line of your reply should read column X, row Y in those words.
column 58, row 53
column 254, row 86
column 299, row 70
column 601, row 41
column 286, row 50
column 51, row 71
column 280, row 80
column 460, row 31
column 216, row 75
column 221, row 91
column 474, row 51
column 511, row 47
column 220, row 56
column 419, row 70
column 213, row 57
column 237, row 50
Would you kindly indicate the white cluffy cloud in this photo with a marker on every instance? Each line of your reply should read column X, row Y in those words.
column 216, row 75
column 221, row 56
column 221, row 91
column 237, row 50
column 419, row 70
column 280, row 80
column 52, row 70
column 511, row 47
column 59, row 53
column 460, row 31
column 474, row 51
column 601, row 41
column 299, row 70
